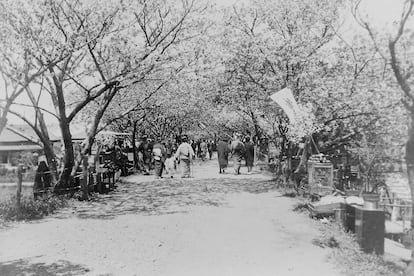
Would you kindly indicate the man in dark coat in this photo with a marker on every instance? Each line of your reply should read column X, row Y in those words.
column 210, row 149
column 223, row 154
column 145, row 148
column 249, row 154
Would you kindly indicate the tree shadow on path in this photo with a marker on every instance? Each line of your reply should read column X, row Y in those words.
column 26, row 267
column 166, row 196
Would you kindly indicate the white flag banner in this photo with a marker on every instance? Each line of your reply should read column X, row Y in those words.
column 287, row 102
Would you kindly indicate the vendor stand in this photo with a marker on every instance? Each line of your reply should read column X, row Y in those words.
column 320, row 175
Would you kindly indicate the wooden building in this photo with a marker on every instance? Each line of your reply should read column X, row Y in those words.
column 19, row 142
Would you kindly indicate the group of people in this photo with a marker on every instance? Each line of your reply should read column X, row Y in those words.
column 164, row 157
column 237, row 150
column 202, row 147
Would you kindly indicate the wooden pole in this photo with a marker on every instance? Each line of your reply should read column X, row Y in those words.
column 84, row 182
column 19, row 187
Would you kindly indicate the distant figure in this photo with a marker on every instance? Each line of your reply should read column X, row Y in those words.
column 42, row 179
column 210, row 149
column 169, row 147
column 237, row 152
column 145, row 150
column 194, row 147
column 223, row 155
column 149, row 153
column 184, row 155
column 203, row 149
column 158, row 153
column 198, row 148
column 249, row 154
column 170, row 165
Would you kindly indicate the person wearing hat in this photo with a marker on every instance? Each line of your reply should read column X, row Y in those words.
column 184, row 155
column 237, row 152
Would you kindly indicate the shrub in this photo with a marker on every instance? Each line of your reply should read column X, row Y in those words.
column 3, row 171
column 30, row 208
column 348, row 255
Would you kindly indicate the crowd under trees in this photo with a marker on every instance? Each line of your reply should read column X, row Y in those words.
column 165, row 66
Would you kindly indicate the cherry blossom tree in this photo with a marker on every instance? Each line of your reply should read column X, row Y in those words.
column 92, row 50
column 395, row 47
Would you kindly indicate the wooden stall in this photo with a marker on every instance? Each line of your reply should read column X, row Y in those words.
column 320, row 177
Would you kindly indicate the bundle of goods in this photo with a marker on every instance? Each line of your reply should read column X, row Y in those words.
column 326, row 206
column 354, row 200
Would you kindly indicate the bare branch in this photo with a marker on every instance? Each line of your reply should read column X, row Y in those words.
column 134, row 108
column 90, row 98
column 27, row 121
column 395, row 65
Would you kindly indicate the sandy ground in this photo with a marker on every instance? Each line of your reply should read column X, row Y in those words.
column 209, row 225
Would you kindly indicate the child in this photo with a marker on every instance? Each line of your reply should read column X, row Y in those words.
column 170, row 165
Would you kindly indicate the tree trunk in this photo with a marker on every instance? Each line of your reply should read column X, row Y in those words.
column 19, row 188
column 84, row 182
column 87, row 145
column 409, row 157
column 256, row 126
column 98, row 116
column 51, row 160
column 66, row 179
column 134, row 147
column 3, row 121
column 289, row 160
column 47, row 144
column 304, row 158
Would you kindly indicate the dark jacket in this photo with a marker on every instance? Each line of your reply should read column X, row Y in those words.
column 223, row 151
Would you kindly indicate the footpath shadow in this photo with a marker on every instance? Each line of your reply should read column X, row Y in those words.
column 166, row 196
column 26, row 267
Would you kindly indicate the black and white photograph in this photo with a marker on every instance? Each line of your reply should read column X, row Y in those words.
column 206, row 137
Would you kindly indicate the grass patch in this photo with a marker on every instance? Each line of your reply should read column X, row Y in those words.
column 30, row 208
column 347, row 254
column 345, row 251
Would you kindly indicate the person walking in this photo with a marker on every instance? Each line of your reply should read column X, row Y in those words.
column 170, row 165
column 203, row 150
column 184, row 155
column 249, row 154
column 223, row 154
column 193, row 146
column 198, row 148
column 145, row 151
column 237, row 152
column 158, row 152
column 210, row 149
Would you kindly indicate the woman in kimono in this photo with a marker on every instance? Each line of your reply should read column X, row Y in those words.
column 237, row 152
column 184, row 155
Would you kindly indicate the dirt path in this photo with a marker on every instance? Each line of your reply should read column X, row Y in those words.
column 209, row 225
